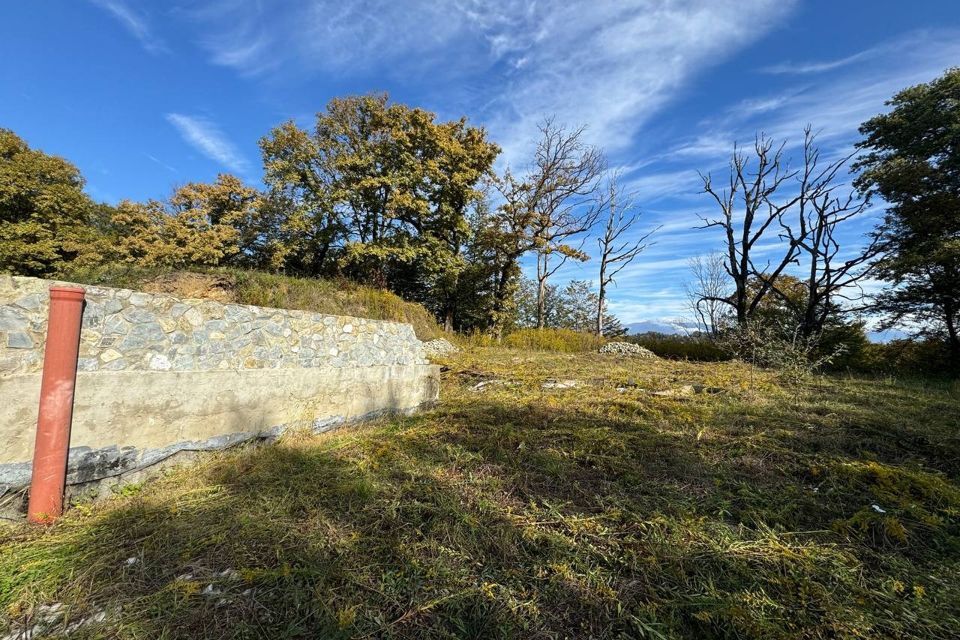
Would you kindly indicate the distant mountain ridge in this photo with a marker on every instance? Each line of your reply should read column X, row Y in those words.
column 661, row 325
column 683, row 327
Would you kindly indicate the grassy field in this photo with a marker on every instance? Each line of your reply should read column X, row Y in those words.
column 547, row 496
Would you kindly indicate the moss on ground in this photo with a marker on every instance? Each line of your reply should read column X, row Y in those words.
column 729, row 507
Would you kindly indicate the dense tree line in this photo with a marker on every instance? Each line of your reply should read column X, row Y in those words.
column 385, row 194
column 376, row 192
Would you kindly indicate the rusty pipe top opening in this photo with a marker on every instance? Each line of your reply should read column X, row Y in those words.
column 58, row 292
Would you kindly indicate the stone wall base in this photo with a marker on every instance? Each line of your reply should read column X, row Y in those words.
column 128, row 421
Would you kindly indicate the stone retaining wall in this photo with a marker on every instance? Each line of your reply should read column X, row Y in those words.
column 160, row 374
column 126, row 330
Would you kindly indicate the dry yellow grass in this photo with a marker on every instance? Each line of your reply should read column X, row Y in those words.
column 729, row 507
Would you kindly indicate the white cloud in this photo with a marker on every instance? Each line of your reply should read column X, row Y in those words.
column 651, row 187
column 908, row 46
column 609, row 65
column 613, row 66
column 134, row 22
column 804, row 68
column 838, row 104
column 205, row 136
column 160, row 162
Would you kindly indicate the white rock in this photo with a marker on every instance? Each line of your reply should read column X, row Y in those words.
column 439, row 347
column 160, row 363
column 194, row 317
column 627, row 349
column 560, row 384
column 109, row 355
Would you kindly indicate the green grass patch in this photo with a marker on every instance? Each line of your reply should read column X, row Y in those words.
column 555, row 340
column 514, row 510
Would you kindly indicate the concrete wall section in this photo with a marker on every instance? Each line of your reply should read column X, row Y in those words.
column 125, row 420
column 159, row 375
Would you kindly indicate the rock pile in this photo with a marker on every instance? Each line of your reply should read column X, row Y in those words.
column 439, row 347
column 627, row 349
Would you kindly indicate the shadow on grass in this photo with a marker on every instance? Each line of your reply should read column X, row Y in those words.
column 485, row 520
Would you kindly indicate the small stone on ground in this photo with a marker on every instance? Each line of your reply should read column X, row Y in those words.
column 560, row 384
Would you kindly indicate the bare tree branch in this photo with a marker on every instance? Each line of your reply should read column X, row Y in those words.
column 617, row 249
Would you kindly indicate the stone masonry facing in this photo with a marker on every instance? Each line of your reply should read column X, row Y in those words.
column 128, row 330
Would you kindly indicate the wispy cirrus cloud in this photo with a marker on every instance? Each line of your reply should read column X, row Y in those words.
column 206, row 137
column 805, row 68
column 610, row 66
column 835, row 106
column 161, row 163
column 909, row 46
column 135, row 22
column 650, row 187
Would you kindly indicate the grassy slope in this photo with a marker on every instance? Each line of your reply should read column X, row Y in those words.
column 336, row 297
column 518, row 511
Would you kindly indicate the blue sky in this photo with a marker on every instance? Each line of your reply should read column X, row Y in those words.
column 143, row 96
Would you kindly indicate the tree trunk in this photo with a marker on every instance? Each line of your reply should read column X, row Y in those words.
column 953, row 336
column 499, row 299
column 603, row 284
column 810, row 325
column 319, row 259
column 741, row 305
column 600, row 297
column 542, row 290
column 541, row 303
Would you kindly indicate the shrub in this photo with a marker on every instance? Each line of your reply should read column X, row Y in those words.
column 679, row 347
column 794, row 356
column 907, row 357
column 848, row 345
column 560, row 340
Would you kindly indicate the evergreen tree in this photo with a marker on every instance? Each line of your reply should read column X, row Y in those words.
column 912, row 160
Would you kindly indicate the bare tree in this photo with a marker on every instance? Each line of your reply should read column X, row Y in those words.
column 753, row 190
column 544, row 210
column 617, row 250
column 707, row 290
column 561, row 198
column 757, row 199
column 829, row 274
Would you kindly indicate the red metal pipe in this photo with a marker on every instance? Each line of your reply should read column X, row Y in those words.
column 49, row 472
